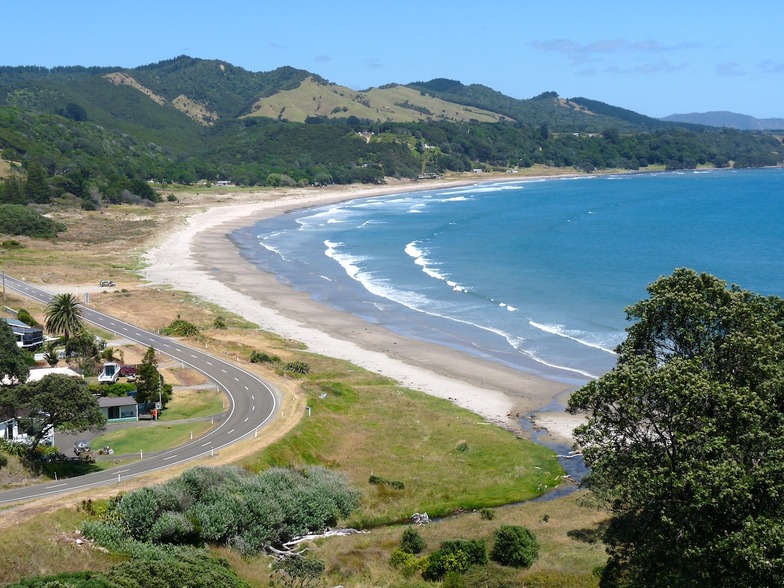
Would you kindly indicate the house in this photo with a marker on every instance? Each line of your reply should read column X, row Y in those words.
column 9, row 430
column 27, row 337
column 9, row 425
column 120, row 409
column 37, row 374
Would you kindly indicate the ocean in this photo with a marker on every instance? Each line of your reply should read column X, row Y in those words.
column 534, row 274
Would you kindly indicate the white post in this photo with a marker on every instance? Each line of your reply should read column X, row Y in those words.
column 308, row 410
column 141, row 454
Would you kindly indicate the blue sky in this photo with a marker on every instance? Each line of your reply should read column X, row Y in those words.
column 656, row 58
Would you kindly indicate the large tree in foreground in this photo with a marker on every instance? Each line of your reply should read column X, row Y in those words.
column 58, row 402
column 685, row 438
column 64, row 316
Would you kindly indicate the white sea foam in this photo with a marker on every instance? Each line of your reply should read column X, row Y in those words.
column 420, row 259
column 264, row 241
column 574, row 335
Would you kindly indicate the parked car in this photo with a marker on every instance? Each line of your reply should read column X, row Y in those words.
column 128, row 372
column 106, row 283
column 82, row 447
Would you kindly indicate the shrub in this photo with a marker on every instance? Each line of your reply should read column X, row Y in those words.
column 181, row 328
column 12, row 244
column 24, row 316
column 407, row 563
column 229, row 506
column 297, row 367
column 439, row 563
column 261, row 357
column 487, row 514
column 17, row 219
column 174, row 528
column 299, row 572
column 411, row 541
column 219, row 322
column 455, row 556
column 514, row 546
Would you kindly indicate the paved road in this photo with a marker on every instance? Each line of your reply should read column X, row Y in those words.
column 252, row 404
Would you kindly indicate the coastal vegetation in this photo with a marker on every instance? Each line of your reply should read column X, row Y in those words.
column 101, row 136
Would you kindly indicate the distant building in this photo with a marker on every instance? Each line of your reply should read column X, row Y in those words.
column 27, row 337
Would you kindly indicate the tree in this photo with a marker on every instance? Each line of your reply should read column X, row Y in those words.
column 63, row 316
column 148, row 379
column 37, row 187
column 60, row 402
column 13, row 367
column 685, row 438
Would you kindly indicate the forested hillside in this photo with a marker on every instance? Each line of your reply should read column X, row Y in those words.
column 106, row 134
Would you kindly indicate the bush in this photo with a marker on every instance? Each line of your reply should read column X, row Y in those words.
column 261, row 357
column 219, row 322
column 514, row 546
column 229, row 506
column 411, row 541
column 297, row 367
column 455, row 556
column 24, row 316
column 407, row 563
column 16, row 219
column 181, row 328
column 487, row 514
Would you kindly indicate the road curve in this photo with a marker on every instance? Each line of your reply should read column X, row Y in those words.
column 252, row 403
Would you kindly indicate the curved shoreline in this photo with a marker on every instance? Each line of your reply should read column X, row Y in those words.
column 201, row 258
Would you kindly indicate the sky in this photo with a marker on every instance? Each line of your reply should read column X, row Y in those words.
column 656, row 58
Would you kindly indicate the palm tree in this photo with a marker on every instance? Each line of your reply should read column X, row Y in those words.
column 63, row 315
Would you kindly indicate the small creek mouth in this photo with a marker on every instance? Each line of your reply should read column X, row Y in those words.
column 573, row 464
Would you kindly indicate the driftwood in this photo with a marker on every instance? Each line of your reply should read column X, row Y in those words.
column 289, row 547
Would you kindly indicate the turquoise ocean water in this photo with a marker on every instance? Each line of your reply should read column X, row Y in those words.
column 533, row 274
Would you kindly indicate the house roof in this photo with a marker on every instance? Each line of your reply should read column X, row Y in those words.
column 38, row 374
column 18, row 326
column 110, row 401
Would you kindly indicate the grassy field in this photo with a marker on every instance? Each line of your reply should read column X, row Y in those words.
column 446, row 458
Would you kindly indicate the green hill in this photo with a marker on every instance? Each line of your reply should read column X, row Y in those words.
column 110, row 130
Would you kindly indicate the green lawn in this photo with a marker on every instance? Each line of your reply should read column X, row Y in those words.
column 193, row 404
column 151, row 437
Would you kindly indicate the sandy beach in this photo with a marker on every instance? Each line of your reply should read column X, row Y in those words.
column 199, row 258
